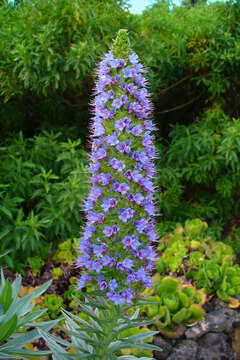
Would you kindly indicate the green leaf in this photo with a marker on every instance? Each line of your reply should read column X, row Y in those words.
column 8, row 328
column 139, row 337
column 6, row 296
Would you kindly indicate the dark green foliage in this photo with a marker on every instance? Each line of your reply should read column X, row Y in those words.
column 43, row 182
column 48, row 50
column 200, row 171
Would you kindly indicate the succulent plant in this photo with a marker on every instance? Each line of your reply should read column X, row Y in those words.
column 53, row 303
column 173, row 303
column 57, row 273
column 208, row 263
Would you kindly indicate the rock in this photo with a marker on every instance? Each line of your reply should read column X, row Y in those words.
column 218, row 304
column 219, row 321
column 186, row 350
column 214, row 346
column 164, row 345
column 216, row 321
column 213, row 339
column 198, row 330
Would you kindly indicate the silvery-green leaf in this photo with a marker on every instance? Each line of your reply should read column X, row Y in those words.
column 135, row 315
column 133, row 325
column 30, row 317
column 21, row 340
column 16, row 285
column 131, row 357
column 52, row 342
column 92, row 328
column 139, row 337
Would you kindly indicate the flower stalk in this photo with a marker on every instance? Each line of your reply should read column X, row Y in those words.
column 115, row 246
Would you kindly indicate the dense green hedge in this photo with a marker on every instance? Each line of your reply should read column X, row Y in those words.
column 48, row 52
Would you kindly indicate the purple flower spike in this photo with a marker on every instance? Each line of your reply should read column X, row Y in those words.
column 115, row 245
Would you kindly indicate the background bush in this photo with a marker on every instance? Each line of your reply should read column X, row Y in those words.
column 48, row 52
column 42, row 186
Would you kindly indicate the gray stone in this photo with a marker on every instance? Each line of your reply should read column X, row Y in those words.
column 213, row 339
column 214, row 346
column 198, row 330
column 186, row 350
column 164, row 345
column 218, row 321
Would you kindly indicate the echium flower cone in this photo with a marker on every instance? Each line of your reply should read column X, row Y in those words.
column 115, row 250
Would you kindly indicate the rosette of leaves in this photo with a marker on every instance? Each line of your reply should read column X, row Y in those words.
column 16, row 317
column 102, row 333
column 174, row 303
column 208, row 263
column 115, row 251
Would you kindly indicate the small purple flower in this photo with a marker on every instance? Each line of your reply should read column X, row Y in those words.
column 120, row 124
column 98, row 250
column 115, row 184
column 147, row 140
column 126, row 264
column 121, row 62
column 124, row 99
column 128, row 174
column 98, row 129
column 124, row 147
column 139, row 198
column 127, row 72
column 125, row 214
column 83, row 281
column 130, row 197
column 105, row 179
column 131, row 88
column 135, row 243
column 149, row 208
column 94, row 167
column 112, row 139
column 108, row 203
column 114, row 64
column 89, row 204
column 108, row 261
column 141, row 225
column 123, row 188
column 115, row 229
column 97, row 265
column 133, row 58
column 117, row 78
column 100, row 154
column 112, row 284
column 123, row 86
column 102, row 284
column 117, row 103
column 137, row 130
column 108, row 231
column 127, row 241
column 95, row 193
column 119, row 166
